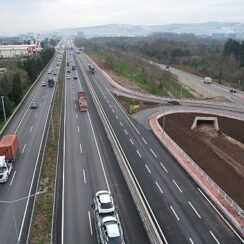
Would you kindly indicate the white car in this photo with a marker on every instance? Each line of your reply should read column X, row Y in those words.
column 44, row 83
column 68, row 77
column 103, row 202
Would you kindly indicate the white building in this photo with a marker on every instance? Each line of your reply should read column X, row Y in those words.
column 16, row 51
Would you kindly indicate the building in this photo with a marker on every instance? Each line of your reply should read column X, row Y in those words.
column 18, row 51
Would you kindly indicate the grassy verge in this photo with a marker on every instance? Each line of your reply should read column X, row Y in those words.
column 147, row 76
column 42, row 219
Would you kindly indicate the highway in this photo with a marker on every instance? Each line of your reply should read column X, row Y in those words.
column 30, row 125
column 89, row 165
column 183, row 212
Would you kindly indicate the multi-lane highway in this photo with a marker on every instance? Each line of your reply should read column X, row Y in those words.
column 182, row 210
column 89, row 165
column 15, row 195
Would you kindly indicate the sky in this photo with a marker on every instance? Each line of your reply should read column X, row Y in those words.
column 21, row 16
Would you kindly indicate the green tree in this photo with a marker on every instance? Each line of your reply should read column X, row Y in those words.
column 17, row 91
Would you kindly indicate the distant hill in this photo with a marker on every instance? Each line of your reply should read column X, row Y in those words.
column 208, row 28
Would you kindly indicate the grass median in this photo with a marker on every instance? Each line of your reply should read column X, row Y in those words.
column 42, row 220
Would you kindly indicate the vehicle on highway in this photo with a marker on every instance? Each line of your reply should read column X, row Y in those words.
column 9, row 151
column 33, row 105
column 49, row 71
column 207, row 80
column 109, row 229
column 58, row 64
column 73, row 67
column 167, row 66
column 103, row 202
column 44, row 83
column 55, row 72
column 51, row 82
column 173, row 102
column 233, row 91
column 68, row 77
column 68, row 71
column 75, row 77
column 67, row 63
column 82, row 102
column 91, row 68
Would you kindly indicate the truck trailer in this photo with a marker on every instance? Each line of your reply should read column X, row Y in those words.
column 51, row 82
column 82, row 102
column 9, row 151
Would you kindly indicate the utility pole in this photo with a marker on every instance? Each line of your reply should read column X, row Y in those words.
column 4, row 113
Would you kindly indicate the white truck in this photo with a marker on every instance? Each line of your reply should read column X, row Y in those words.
column 207, row 80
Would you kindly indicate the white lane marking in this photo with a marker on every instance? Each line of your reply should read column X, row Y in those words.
column 80, row 148
column 35, row 115
column 174, row 213
column 40, row 105
column 191, row 241
column 90, row 224
column 23, row 149
column 125, row 131
column 153, row 153
column 75, row 106
column 74, row 98
column 84, row 176
column 121, row 123
column 177, row 186
column 220, row 215
column 214, row 237
column 12, row 178
column 164, row 167
column 105, row 97
column 199, row 216
column 42, row 96
column 159, row 187
column 112, row 110
column 110, row 106
column 107, row 101
column 31, row 128
column 149, row 171
column 99, row 154
column 131, row 141
column 76, row 116
column 138, row 153
column 116, row 116
column 78, row 129
column 144, row 140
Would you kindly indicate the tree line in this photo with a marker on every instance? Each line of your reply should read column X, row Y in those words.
column 18, row 78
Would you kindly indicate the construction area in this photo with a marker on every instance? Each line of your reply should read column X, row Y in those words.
column 219, row 151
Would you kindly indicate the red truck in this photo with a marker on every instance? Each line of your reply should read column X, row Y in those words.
column 9, row 150
column 82, row 102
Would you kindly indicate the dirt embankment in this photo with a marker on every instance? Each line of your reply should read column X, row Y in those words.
column 220, row 154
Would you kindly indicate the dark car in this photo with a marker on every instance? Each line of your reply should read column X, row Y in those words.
column 75, row 77
column 233, row 91
column 173, row 102
column 34, row 105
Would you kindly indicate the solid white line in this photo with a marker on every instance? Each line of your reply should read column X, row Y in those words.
column 31, row 128
column 12, row 178
column 125, row 131
column 99, row 154
column 177, row 186
column 174, row 213
column 35, row 115
column 78, row 129
column 214, row 237
column 23, row 149
column 220, row 215
column 90, row 224
column 131, row 142
column 191, row 241
column 76, row 116
column 153, row 153
column 199, row 216
column 116, row 116
column 138, row 153
column 80, row 148
column 159, row 187
column 164, row 167
column 84, row 176
column 148, row 169
column 144, row 140
column 121, row 123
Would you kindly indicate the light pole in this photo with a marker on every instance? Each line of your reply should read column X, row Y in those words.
column 12, row 210
column 164, row 123
column 4, row 113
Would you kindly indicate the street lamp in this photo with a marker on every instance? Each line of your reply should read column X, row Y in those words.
column 4, row 113
column 12, row 210
column 164, row 123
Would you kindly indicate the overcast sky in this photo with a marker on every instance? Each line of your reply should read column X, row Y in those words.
column 19, row 16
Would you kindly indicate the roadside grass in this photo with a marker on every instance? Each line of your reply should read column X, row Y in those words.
column 43, row 213
column 121, row 67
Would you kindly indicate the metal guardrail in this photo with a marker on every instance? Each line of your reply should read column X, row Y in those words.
column 238, row 209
